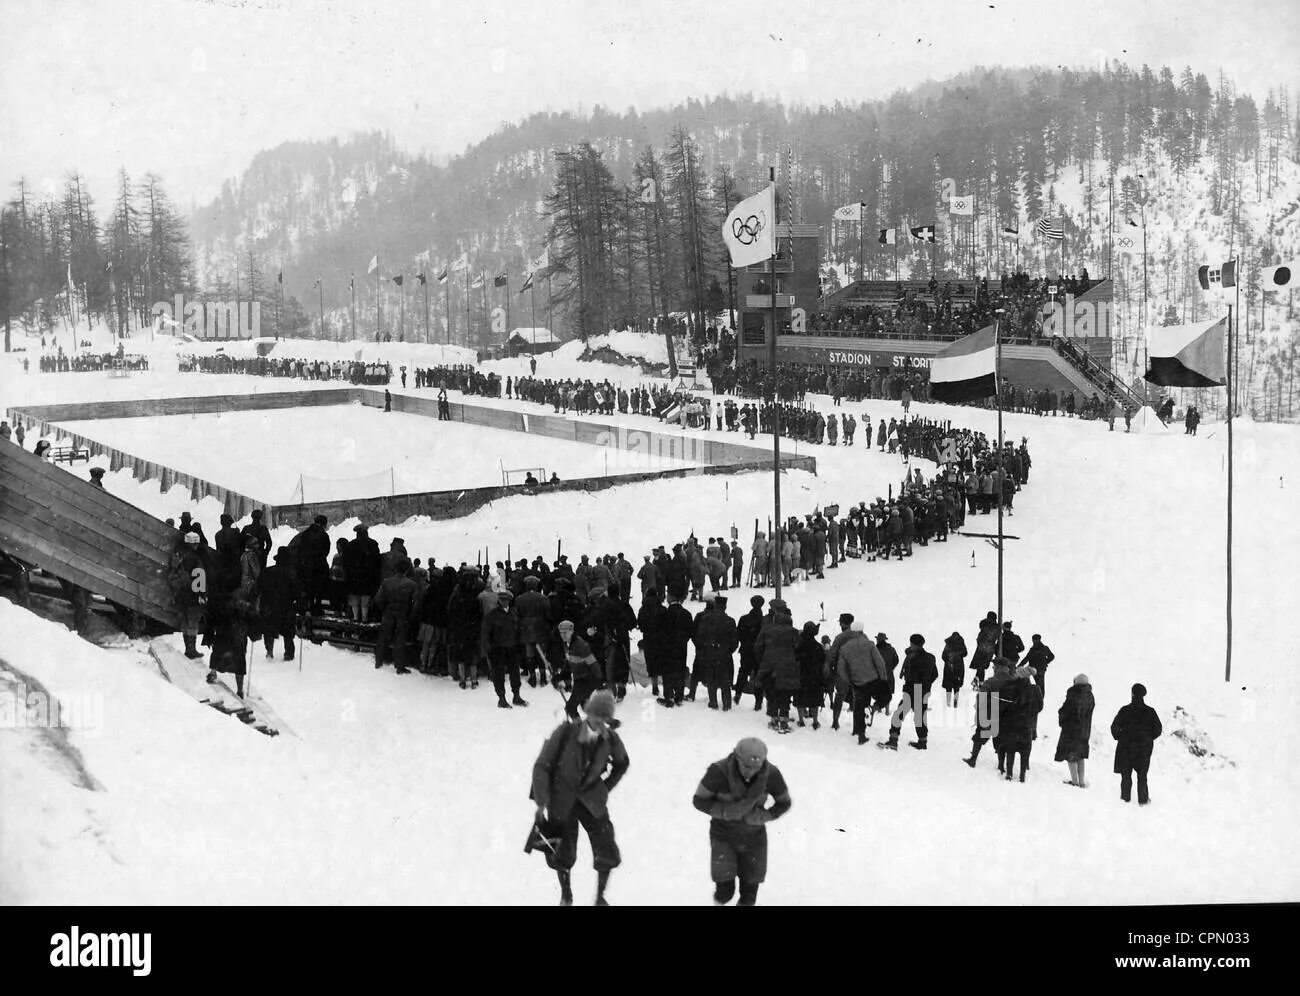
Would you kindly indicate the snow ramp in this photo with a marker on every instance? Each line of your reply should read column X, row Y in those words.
column 85, row 535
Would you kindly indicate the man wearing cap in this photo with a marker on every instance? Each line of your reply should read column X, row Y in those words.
column 263, row 535
column 583, row 668
column 500, row 646
column 280, row 597
column 571, row 788
column 858, row 666
column 919, row 673
column 398, row 601
column 678, row 627
column 734, row 792
column 715, row 641
column 533, row 608
column 229, row 545
column 96, row 473
column 310, row 552
column 884, row 691
column 1135, row 729
column 361, row 569
column 988, row 707
column 189, row 580
column 1038, row 657
column 747, row 630
column 389, row 561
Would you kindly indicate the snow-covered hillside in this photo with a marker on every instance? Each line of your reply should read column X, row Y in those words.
column 408, row 789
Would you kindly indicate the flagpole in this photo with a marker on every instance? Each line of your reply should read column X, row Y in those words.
column 320, row 287
column 376, row 297
column 352, row 286
column 997, row 390
column 532, row 297
column 446, row 284
column 771, row 363
column 401, row 306
column 1227, row 666
column 469, row 309
column 507, row 273
column 425, row 282
column 862, row 230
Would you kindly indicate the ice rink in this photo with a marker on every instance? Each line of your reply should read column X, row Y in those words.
column 350, row 451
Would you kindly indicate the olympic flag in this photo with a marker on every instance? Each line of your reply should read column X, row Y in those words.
column 750, row 229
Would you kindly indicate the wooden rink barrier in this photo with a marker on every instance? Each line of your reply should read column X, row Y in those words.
column 713, row 456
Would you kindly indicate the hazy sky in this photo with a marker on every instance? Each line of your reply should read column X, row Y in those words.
column 191, row 89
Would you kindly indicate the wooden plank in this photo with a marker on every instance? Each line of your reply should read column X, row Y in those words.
column 76, row 538
column 54, row 518
column 33, row 474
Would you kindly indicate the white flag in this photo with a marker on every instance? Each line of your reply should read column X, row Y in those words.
column 374, row 263
column 749, row 231
column 1277, row 277
column 849, row 212
column 1128, row 238
column 460, row 262
column 962, row 204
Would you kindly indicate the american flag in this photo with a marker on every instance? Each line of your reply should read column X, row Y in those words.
column 1050, row 229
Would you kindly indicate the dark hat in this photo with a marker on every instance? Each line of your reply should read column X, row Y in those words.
column 531, row 582
column 397, row 541
column 756, row 601
column 321, row 520
column 1007, row 624
column 505, row 596
column 225, row 518
column 916, row 640
column 600, row 705
column 846, row 618
column 358, row 528
column 257, row 513
column 96, row 471
column 881, row 636
column 778, row 605
column 1139, row 690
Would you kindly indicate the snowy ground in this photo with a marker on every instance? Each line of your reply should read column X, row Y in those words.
column 351, row 451
column 410, row 790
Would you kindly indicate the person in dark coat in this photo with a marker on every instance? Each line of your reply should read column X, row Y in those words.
column 1020, row 722
column 280, row 597
column 734, row 793
column 534, row 611
column 954, row 668
column 397, row 598
column 1012, row 645
column 310, row 550
column 884, row 693
column 774, row 651
column 678, row 628
column 229, row 547
column 1075, row 719
column 715, row 641
column 433, row 620
column 500, row 648
column 747, row 629
column 1135, row 729
column 813, row 675
column 189, row 578
column 258, row 529
column 988, row 708
column 918, row 675
column 651, row 620
column 230, row 620
column 986, row 646
column 571, row 788
column 361, row 567
column 464, row 628
column 1038, row 657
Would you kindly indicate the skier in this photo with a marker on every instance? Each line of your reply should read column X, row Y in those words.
column 570, row 788
column 733, row 792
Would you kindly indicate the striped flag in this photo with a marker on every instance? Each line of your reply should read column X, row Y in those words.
column 442, row 277
column 964, row 370
column 1011, row 232
column 888, row 236
column 1187, row 355
column 528, row 282
column 1050, row 229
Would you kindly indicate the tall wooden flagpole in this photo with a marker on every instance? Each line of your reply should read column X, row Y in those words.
column 771, row 364
column 376, row 297
column 997, row 390
column 1227, row 664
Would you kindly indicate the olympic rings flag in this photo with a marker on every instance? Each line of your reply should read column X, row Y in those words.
column 749, row 231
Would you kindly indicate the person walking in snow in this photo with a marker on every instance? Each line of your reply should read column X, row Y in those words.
column 1075, row 719
column 571, row 789
column 734, row 793
column 918, row 674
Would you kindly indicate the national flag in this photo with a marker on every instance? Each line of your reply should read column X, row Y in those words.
column 108, row 266
column 420, row 277
column 849, row 212
column 501, row 280
column 749, row 231
column 923, row 233
column 279, row 277
column 1011, row 232
column 461, row 262
column 1223, row 275
column 1128, row 238
column 963, row 204
column 477, row 283
column 398, row 280
column 528, row 282
column 72, row 296
column 1187, row 355
column 888, row 236
column 1277, row 277
column 352, row 282
column 1050, row 229
column 964, row 370
column 442, row 277
column 374, row 264
column 543, row 262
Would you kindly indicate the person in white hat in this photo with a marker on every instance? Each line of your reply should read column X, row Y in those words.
column 734, row 793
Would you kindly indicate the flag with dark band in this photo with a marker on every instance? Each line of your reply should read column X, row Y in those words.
column 1222, row 275
column 420, row 277
column 528, row 282
column 1187, row 355
column 888, row 236
column 398, row 280
column 500, row 280
column 1050, row 229
column 923, row 233
column 964, row 370
column 442, row 277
